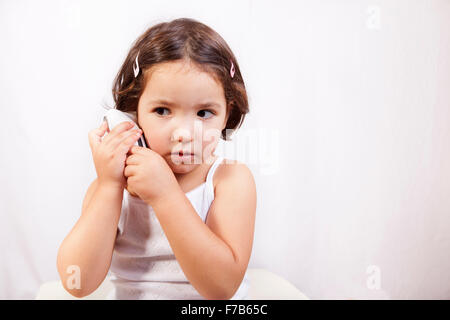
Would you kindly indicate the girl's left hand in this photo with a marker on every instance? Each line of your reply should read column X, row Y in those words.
column 148, row 175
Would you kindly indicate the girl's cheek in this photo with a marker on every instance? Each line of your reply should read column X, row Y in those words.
column 152, row 139
column 210, row 142
column 211, row 135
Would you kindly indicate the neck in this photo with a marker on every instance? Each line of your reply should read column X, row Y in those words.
column 199, row 170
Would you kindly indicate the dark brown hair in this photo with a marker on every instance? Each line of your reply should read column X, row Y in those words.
column 183, row 39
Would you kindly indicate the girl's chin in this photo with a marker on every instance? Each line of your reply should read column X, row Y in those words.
column 182, row 166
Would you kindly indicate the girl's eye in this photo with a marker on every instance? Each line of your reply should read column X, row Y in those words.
column 202, row 112
column 157, row 110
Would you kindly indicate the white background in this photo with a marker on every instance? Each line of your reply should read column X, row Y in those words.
column 349, row 101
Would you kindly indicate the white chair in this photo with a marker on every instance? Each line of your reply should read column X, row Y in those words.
column 265, row 285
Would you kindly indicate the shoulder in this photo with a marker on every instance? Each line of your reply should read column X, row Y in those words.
column 230, row 173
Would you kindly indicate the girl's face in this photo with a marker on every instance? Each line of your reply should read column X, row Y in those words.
column 182, row 109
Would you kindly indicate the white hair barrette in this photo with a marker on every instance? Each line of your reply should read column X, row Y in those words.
column 232, row 70
column 136, row 69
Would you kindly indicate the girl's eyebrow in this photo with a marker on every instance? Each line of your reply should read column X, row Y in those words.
column 168, row 103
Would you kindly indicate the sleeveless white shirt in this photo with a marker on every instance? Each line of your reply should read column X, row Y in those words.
column 143, row 264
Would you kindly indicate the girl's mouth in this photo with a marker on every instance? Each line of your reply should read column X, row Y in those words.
column 182, row 156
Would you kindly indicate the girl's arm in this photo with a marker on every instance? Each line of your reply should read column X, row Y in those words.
column 213, row 256
column 89, row 246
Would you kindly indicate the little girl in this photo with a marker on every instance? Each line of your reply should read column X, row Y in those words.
column 174, row 220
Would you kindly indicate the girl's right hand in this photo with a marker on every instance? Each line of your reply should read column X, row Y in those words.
column 110, row 153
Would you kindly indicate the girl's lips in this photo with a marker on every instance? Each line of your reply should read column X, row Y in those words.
column 182, row 154
column 185, row 158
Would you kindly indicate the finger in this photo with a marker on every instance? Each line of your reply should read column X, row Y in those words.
column 118, row 138
column 100, row 131
column 127, row 142
column 138, row 150
column 132, row 160
column 105, row 124
column 123, row 126
column 103, row 128
column 124, row 136
column 117, row 131
column 130, row 170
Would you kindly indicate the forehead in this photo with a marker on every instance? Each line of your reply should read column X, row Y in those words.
column 182, row 81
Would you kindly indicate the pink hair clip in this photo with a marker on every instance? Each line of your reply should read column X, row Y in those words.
column 232, row 69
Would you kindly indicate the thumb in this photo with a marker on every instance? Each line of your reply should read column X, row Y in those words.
column 95, row 136
column 103, row 127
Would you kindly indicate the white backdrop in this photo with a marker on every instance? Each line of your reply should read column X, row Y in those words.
column 349, row 114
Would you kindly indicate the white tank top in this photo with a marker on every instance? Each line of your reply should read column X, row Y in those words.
column 143, row 264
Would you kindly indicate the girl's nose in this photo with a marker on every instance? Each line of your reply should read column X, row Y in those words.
column 188, row 131
column 181, row 135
